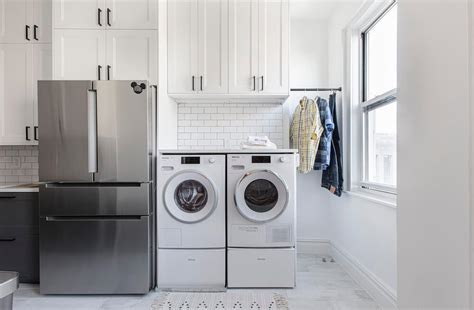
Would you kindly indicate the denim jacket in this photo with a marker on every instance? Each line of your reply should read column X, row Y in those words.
column 323, row 155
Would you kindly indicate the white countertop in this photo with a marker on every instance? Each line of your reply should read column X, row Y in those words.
column 230, row 151
column 18, row 188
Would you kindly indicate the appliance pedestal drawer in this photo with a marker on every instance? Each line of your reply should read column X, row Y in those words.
column 257, row 267
column 80, row 255
column 191, row 269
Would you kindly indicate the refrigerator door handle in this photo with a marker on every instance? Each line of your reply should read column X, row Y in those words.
column 92, row 130
column 91, row 218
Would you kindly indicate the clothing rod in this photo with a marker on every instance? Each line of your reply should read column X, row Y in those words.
column 316, row 89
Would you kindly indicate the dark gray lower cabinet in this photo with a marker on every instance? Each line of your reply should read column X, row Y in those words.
column 19, row 235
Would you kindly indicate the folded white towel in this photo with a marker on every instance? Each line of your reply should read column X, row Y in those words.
column 269, row 146
column 258, row 140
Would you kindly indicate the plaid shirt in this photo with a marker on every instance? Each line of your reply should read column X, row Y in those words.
column 305, row 132
column 323, row 155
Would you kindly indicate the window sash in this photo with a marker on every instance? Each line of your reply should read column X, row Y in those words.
column 379, row 101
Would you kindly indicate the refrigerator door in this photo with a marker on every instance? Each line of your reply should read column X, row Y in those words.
column 95, row 255
column 63, row 122
column 94, row 199
column 123, row 131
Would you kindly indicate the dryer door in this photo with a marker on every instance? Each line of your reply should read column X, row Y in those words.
column 190, row 196
column 261, row 195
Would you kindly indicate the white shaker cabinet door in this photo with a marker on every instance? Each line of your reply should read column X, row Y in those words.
column 16, row 113
column 213, row 46
column 13, row 21
column 132, row 55
column 42, row 70
column 273, row 46
column 243, row 45
column 182, row 47
column 79, row 55
column 136, row 14
column 41, row 21
column 79, row 14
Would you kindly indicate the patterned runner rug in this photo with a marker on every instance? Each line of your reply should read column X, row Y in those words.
column 252, row 300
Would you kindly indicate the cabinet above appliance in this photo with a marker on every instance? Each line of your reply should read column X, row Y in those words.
column 228, row 50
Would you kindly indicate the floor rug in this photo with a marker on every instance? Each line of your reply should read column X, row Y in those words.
column 264, row 300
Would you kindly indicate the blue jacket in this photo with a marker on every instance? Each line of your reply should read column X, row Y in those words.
column 323, row 156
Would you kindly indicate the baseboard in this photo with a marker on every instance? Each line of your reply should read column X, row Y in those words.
column 382, row 294
column 313, row 246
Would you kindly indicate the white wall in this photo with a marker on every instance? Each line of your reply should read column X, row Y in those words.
column 309, row 68
column 363, row 233
column 434, row 150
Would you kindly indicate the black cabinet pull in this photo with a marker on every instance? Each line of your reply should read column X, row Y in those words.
column 27, row 131
column 193, row 83
column 99, row 14
column 108, row 16
column 27, row 32
column 8, row 197
column 35, row 133
column 108, row 72
column 201, row 82
column 35, row 34
column 262, row 83
column 99, row 69
column 7, row 239
column 254, row 83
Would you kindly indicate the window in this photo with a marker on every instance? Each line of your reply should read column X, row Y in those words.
column 379, row 102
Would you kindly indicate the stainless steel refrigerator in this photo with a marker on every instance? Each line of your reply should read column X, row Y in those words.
column 97, row 197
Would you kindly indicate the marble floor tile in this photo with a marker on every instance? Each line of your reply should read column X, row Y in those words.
column 320, row 285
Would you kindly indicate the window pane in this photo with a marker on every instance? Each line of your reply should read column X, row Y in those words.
column 382, row 145
column 381, row 57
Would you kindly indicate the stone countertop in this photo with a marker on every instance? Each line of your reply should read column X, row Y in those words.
column 18, row 187
column 229, row 151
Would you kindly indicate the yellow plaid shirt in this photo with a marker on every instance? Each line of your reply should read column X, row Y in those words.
column 305, row 132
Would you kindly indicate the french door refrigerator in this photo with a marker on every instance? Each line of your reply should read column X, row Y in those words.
column 97, row 193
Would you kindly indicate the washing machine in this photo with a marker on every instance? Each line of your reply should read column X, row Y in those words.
column 191, row 222
column 261, row 219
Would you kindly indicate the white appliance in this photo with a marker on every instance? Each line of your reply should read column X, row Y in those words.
column 261, row 219
column 191, row 222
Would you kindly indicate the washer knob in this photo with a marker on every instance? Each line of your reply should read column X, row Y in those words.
column 283, row 159
column 212, row 160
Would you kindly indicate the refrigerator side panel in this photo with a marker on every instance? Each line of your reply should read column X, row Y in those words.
column 122, row 131
column 63, row 131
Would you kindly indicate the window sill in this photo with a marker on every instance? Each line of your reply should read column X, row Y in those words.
column 388, row 200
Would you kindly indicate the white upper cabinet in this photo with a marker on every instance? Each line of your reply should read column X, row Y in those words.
column 25, row 21
column 42, row 70
column 79, row 14
column 132, row 55
column 273, row 46
column 213, row 46
column 99, row 14
column 136, row 14
column 183, row 46
column 79, row 55
column 243, row 46
column 239, row 49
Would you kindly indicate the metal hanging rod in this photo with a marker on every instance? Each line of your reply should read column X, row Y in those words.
column 316, row 89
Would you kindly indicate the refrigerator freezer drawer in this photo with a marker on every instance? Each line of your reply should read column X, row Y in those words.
column 95, row 199
column 191, row 269
column 95, row 256
column 261, row 267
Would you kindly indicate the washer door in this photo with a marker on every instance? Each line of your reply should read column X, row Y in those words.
column 190, row 197
column 261, row 195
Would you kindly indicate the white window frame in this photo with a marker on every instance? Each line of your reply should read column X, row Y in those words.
column 355, row 134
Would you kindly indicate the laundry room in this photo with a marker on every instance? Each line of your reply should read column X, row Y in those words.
column 236, row 154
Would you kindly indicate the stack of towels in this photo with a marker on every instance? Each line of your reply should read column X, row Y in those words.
column 258, row 143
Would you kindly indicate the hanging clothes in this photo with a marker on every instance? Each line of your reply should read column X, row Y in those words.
column 323, row 155
column 332, row 178
column 305, row 133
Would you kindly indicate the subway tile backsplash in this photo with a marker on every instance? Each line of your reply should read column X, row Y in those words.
column 225, row 126
column 18, row 164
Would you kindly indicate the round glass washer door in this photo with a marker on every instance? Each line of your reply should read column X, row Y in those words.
column 261, row 195
column 190, row 197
